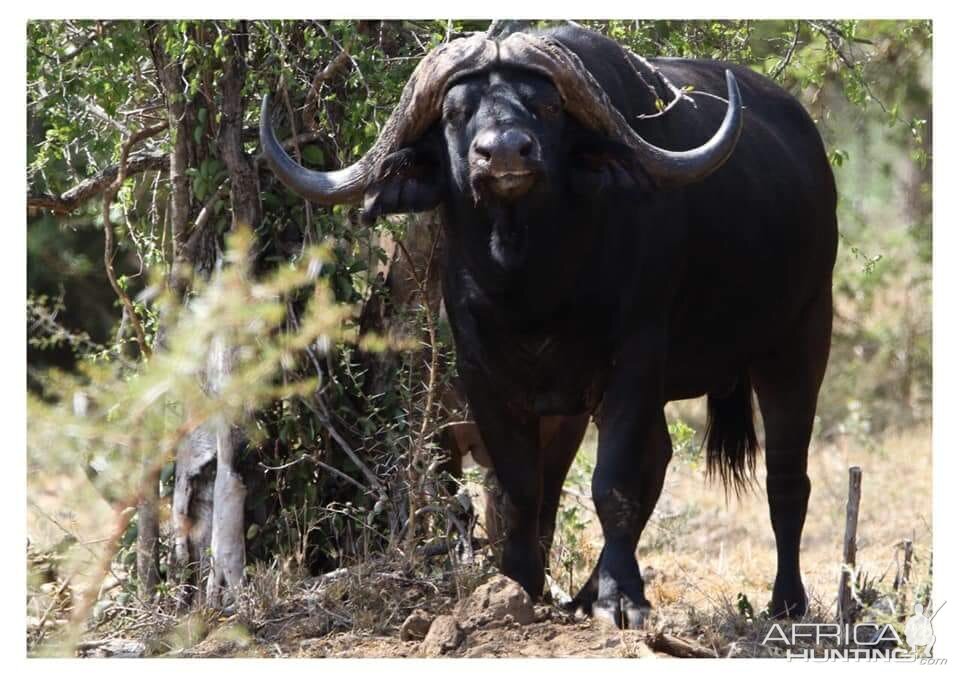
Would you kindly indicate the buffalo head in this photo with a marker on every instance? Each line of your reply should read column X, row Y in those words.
column 499, row 126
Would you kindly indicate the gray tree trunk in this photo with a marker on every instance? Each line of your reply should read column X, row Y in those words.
column 227, row 545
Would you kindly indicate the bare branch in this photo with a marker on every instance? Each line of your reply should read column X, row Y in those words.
column 89, row 188
column 96, row 111
column 324, row 416
column 99, row 31
column 204, row 216
column 93, row 186
column 326, row 74
column 785, row 61
column 678, row 94
column 108, row 197
column 419, row 447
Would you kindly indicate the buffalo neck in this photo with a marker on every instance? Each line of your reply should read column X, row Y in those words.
column 541, row 281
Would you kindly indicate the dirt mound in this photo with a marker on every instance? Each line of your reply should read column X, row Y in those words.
column 499, row 598
column 445, row 636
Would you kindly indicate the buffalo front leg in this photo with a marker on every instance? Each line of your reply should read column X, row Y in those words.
column 626, row 485
column 511, row 439
column 632, row 458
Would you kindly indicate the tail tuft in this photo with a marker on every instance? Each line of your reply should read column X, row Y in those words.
column 731, row 438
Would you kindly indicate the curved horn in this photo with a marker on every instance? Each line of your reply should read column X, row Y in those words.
column 419, row 107
column 324, row 188
column 688, row 166
column 586, row 100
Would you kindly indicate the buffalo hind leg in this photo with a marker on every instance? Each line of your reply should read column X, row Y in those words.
column 787, row 384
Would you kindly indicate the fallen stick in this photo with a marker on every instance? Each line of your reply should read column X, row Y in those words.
column 677, row 647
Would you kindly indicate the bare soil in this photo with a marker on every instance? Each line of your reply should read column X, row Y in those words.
column 708, row 560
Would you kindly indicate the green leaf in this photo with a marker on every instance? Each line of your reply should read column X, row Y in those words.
column 312, row 154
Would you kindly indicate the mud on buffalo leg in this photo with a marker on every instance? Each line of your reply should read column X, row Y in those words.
column 512, row 441
column 787, row 384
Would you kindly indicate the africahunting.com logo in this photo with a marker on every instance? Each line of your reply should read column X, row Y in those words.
column 868, row 641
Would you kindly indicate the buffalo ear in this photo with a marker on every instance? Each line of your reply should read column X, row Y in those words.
column 409, row 180
column 602, row 165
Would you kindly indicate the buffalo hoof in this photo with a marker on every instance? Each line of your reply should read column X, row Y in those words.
column 622, row 613
column 790, row 604
column 581, row 606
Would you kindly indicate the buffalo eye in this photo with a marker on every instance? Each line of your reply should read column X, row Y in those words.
column 454, row 116
column 549, row 111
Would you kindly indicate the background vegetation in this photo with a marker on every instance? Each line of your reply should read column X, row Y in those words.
column 142, row 161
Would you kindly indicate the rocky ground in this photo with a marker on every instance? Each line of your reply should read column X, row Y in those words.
column 708, row 562
column 496, row 620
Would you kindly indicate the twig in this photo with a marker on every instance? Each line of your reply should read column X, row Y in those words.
column 68, row 201
column 835, row 39
column 204, row 216
column 785, row 61
column 57, row 523
column 54, row 599
column 89, row 188
column 108, row 197
column 100, row 114
column 356, row 66
column 678, row 93
column 99, row 31
column 324, row 417
column 904, row 579
column 710, row 95
column 327, row 467
column 326, row 74
column 417, row 451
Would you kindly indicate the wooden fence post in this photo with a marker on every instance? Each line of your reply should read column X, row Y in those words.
column 905, row 578
column 845, row 603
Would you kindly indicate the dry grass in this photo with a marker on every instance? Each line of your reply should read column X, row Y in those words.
column 704, row 552
column 704, row 556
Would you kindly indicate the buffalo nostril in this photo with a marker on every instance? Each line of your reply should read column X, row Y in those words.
column 518, row 143
column 504, row 150
column 482, row 151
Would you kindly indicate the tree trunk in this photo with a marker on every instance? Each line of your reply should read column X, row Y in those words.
column 170, row 75
column 227, row 545
column 195, row 250
column 148, row 529
column 192, row 516
column 244, row 186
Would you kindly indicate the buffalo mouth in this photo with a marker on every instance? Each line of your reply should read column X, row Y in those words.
column 506, row 185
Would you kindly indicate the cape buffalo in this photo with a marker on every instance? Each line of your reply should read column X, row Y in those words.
column 604, row 256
